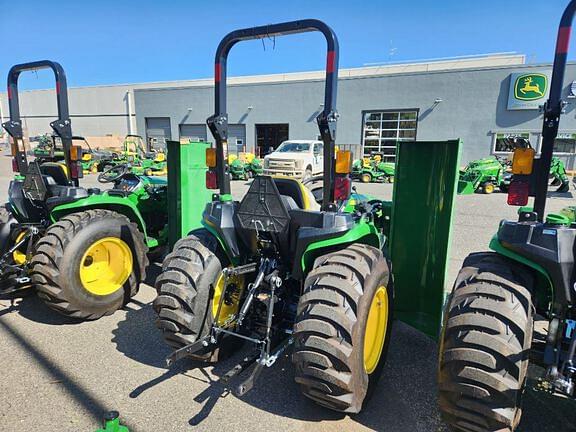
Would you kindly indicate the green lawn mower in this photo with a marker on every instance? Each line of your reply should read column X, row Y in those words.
column 308, row 269
column 370, row 170
column 83, row 250
column 489, row 336
column 245, row 170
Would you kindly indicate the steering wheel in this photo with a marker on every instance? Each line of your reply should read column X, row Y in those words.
column 113, row 174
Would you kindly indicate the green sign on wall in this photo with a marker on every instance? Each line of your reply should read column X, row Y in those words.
column 528, row 90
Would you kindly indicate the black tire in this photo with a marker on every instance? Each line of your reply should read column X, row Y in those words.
column 488, row 188
column 366, row 178
column 503, row 188
column 485, row 345
column 330, row 327
column 5, row 231
column 185, row 290
column 56, row 263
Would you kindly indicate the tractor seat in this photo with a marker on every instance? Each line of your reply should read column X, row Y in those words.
column 64, row 194
column 297, row 192
column 57, row 171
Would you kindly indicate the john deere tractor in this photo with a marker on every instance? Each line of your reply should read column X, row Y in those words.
column 83, row 250
column 245, row 167
column 278, row 268
column 489, row 335
column 483, row 175
column 135, row 156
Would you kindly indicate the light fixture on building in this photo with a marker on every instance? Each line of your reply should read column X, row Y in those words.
column 437, row 101
column 250, row 108
column 190, row 109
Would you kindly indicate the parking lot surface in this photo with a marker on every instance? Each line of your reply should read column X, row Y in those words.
column 61, row 375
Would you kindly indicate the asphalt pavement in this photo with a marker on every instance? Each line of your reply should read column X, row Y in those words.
column 57, row 374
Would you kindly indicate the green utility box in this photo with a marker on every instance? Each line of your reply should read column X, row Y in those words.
column 187, row 193
column 421, row 228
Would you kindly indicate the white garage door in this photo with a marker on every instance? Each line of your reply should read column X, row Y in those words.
column 157, row 132
column 193, row 132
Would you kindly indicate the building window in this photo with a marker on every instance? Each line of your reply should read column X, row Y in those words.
column 501, row 143
column 565, row 144
column 382, row 129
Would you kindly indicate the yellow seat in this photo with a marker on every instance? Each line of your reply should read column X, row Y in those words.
column 294, row 189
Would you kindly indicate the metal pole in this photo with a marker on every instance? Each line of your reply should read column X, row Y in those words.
column 131, row 127
column 1, row 120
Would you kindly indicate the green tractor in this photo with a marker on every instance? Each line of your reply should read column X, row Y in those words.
column 483, row 175
column 559, row 176
column 84, row 251
column 306, row 268
column 369, row 170
column 140, row 161
column 490, row 336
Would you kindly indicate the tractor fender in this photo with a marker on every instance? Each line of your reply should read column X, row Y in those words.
column 363, row 233
column 113, row 203
column 544, row 288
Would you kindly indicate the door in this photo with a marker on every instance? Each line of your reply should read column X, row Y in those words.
column 236, row 138
column 193, row 132
column 157, row 132
column 269, row 137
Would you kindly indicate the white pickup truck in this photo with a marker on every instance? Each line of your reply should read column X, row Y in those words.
column 296, row 158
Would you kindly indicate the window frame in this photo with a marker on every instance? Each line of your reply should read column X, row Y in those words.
column 380, row 147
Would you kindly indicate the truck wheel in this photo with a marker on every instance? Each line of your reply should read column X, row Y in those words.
column 485, row 344
column 366, row 178
column 487, row 188
column 89, row 264
column 189, row 290
column 342, row 328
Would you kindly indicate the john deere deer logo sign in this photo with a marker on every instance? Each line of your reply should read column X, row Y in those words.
column 530, row 87
column 527, row 90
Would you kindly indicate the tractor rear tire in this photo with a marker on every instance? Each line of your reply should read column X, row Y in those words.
column 347, row 292
column 185, row 291
column 5, row 232
column 485, row 343
column 75, row 243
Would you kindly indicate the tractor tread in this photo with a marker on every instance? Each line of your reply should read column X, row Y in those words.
column 47, row 262
column 326, row 325
column 486, row 342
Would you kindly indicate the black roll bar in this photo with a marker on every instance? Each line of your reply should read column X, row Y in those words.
column 62, row 126
column 553, row 109
column 218, row 123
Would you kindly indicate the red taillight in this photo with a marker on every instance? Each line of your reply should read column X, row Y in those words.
column 518, row 193
column 211, row 180
column 14, row 165
column 342, row 187
column 76, row 170
column 79, row 169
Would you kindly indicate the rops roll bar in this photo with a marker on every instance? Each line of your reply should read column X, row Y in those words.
column 62, row 126
column 218, row 123
column 553, row 109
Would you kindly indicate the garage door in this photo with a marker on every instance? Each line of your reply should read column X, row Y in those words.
column 193, row 132
column 157, row 132
column 236, row 138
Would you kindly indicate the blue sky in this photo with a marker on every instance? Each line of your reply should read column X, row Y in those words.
column 106, row 42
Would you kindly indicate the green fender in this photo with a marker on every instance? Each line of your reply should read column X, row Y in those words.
column 363, row 232
column 118, row 204
column 544, row 288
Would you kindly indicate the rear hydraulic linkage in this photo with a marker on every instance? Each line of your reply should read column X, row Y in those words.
column 262, row 356
column 14, row 277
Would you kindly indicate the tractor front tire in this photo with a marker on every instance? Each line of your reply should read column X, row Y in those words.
column 488, row 188
column 485, row 345
column 342, row 328
column 89, row 264
column 366, row 178
column 185, row 291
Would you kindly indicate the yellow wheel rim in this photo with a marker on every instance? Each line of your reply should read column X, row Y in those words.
column 489, row 188
column 18, row 256
column 375, row 332
column 105, row 266
column 231, row 303
column 366, row 178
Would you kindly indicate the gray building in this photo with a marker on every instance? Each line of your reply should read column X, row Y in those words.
column 481, row 99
